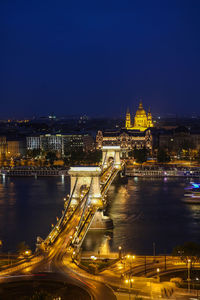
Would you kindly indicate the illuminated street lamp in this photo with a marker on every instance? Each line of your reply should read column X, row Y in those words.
column 197, row 279
column 73, row 255
column 189, row 279
column 129, row 282
column 27, row 252
column 130, row 259
column 120, row 252
column 158, row 272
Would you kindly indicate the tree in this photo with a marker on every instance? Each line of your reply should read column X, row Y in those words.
column 187, row 145
column 188, row 251
column 33, row 153
column 77, row 156
column 93, row 157
column 140, row 155
column 162, row 156
column 51, row 156
column 131, row 153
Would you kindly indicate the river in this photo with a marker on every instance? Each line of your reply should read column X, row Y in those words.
column 144, row 211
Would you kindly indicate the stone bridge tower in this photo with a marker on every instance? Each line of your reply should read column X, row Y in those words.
column 85, row 177
column 111, row 154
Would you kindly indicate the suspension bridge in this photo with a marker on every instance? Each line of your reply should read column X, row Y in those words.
column 87, row 198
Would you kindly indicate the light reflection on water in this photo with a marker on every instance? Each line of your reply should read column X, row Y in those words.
column 143, row 211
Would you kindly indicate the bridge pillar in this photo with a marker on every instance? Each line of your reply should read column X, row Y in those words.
column 111, row 152
column 85, row 177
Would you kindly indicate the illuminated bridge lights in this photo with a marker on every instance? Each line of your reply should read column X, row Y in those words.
column 85, row 169
column 88, row 193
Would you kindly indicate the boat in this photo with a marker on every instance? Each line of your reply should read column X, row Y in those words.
column 192, row 195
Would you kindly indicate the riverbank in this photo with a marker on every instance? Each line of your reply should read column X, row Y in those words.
column 33, row 171
column 162, row 171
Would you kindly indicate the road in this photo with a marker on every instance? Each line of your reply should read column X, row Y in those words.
column 54, row 262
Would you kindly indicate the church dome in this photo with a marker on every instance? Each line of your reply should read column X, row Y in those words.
column 140, row 112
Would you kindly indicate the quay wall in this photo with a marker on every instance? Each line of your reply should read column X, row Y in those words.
column 33, row 172
column 161, row 173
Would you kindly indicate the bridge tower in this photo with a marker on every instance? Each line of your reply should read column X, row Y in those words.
column 111, row 154
column 88, row 178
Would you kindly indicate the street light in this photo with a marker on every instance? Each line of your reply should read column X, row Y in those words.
column 129, row 282
column 158, row 272
column 120, row 252
column 197, row 279
column 189, row 279
column 130, row 259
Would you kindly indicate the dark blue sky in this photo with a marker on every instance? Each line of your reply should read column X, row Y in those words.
column 98, row 57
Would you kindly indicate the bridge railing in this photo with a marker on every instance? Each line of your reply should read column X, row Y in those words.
column 86, row 227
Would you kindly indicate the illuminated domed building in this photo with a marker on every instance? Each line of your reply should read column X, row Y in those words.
column 142, row 121
column 133, row 136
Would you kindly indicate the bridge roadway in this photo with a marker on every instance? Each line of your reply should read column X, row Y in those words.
column 54, row 263
column 106, row 180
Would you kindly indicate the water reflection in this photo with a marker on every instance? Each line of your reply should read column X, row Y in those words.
column 145, row 211
column 195, row 212
column 98, row 241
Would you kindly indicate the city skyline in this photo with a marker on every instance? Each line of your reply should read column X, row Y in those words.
column 99, row 58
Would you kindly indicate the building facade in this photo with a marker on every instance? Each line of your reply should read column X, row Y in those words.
column 49, row 142
column 33, row 142
column 3, row 147
column 10, row 148
column 61, row 143
column 180, row 138
column 15, row 148
column 134, row 135
column 126, row 139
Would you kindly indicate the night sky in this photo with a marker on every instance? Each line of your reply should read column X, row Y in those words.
column 98, row 57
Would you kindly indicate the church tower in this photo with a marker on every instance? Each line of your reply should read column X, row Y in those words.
column 128, row 119
column 149, row 119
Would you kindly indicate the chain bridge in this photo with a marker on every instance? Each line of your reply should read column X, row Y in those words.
column 87, row 199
